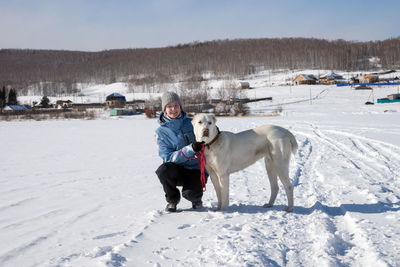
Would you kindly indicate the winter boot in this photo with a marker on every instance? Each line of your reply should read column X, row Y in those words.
column 171, row 207
column 197, row 205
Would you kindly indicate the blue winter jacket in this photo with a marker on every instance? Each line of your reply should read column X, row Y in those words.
column 174, row 139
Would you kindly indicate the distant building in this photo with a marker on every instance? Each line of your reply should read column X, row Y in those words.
column 123, row 112
column 305, row 79
column 16, row 108
column 369, row 78
column 354, row 80
column 390, row 99
column 138, row 105
column 330, row 78
column 394, row 96
column 363, row 87
column 60, row 104
column 115, row 100
column 85, row 106
column 243, row 85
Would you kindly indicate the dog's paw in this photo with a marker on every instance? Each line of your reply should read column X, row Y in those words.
column 268, row 205
column 288, row 209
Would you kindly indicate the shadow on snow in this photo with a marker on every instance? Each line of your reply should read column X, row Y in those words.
column 341, row 210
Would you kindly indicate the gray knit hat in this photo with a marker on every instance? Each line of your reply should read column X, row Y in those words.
column 169, row 97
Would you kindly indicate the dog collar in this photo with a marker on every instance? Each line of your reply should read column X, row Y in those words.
column 215, row 139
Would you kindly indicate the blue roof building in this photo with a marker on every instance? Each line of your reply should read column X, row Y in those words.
column 115, row 100
column 116, row 96
column 16, row 107
column 332, row 76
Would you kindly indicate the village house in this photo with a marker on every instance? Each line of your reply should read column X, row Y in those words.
column 305, row 79
column 138, row 104
column 115, row 100
column 16, row 108
column 390, row 99
column 369, row 78
column 61, row 104
column 354, row 80
column 330, row 78
column 394, row 96
column 85, row 106
column 242, row 85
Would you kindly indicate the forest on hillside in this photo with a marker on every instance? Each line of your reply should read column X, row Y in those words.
column 53, row 72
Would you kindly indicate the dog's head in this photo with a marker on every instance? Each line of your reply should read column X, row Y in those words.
column 204, row 127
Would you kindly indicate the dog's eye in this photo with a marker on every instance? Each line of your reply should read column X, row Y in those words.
column 209, row 123
column 200, row 122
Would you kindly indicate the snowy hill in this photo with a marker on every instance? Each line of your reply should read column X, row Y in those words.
column 96, row 93
column 84, row 193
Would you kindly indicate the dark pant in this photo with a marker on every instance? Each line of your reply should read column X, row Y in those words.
column 172, row 175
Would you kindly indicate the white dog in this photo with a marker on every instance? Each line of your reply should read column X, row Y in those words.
column 227, row 153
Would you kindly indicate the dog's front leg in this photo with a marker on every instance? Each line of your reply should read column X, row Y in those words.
column 217, row 186
column 224, row 180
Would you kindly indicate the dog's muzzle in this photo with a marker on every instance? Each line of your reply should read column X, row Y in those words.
column 206, row 133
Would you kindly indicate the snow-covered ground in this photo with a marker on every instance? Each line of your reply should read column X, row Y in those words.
column 84, row 193
column 97, row 93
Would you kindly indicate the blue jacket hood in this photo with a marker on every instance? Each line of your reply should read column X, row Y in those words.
column 174, row 124
column 174, row 139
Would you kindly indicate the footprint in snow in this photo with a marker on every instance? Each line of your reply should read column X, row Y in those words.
column 183, row 226
column 232, row 227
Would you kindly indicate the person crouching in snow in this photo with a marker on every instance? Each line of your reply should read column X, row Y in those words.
column 177, row 148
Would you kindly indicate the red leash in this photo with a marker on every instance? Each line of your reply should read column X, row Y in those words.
column 202, row 163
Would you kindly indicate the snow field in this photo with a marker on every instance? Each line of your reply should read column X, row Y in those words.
column 84, row 193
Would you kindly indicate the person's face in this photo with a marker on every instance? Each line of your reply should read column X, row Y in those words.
column 173, row 110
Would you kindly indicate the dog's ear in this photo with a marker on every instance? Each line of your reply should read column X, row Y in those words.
column 194, row 119
column 214, row 119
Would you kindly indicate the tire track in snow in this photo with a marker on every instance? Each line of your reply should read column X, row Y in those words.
column 40, row 242
column 309, row 160
column 16, row 204
column 359, row 159
column 110, row 255
column 31, row 220
column 362, row 251
column 324, row 246
column 302, row 156
column 158, row 243
column 372, row 153
column 368, row 249
column 388, row 154
column 21, row 249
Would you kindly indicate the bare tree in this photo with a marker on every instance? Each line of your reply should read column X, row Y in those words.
column 54, row 72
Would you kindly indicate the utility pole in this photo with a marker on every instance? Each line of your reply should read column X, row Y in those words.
column 269, row 78
column 373, row 98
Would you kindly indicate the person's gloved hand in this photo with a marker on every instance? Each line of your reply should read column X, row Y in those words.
column 197, row 146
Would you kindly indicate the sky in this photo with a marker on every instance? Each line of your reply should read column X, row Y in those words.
column 89, row 25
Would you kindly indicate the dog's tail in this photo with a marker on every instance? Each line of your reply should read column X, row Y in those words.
column 293, row 142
